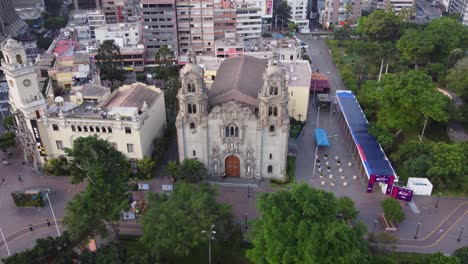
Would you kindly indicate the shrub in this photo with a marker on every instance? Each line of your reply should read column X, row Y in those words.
column 133, row 186
column 392, row 210
column 23, row 199
column 57, row 167
column 141, row 77
column 290, row 171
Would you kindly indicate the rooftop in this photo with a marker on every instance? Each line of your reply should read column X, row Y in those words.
column 298, row 73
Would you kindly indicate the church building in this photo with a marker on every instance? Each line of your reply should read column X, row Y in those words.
column 240, row 126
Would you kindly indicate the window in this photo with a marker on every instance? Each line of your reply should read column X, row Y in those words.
column 98, row 129
column 194, row 153
column 271, row 156
column 133, row 165
column 128, row 130
column 232, row 131
column 274, row 90
column 109, row 129
column 130, row 148
column 59, row 144
column 192, row 108
column 104, row 130
column 91, row 129
column 272, row 128
column 191, row 88
column 73, row 128
column 85, row 129
column 192, row 125
column 270, row 169
column 55, row 127
column 273, row 111
column 79, row 128
column 18, row 59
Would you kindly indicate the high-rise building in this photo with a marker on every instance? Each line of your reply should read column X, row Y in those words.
column 299, row 14
column 195, row 26
column 10, row 23
column 159, row 26
column 460, row 7
column 87, row 4
column 117, row 11
column 249, row 21
column 340, row 12
column 266, row 7
column 224, row 18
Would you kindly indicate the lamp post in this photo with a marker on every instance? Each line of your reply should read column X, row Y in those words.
column 211, row 234
column 53, row 214
column 375, row 225
column 417, row 231
column 4, row 241
column 458, row 240
column 245, row 222
column 437, row 202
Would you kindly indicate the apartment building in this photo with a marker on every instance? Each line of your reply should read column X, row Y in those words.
column 195, row 25
column 340, row 12
column 299, row 14
column 117, row 11
column 395, row 5
column 159, row 26
column 249, row 21
column 224, row 16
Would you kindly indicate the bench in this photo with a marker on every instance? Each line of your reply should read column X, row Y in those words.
column 388, row 225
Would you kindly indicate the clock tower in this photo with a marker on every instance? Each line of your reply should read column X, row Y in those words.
column 26, row 100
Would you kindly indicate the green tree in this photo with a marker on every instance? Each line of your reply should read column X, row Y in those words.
column 454, row 56
column 417, row 166
column 292, row 27
column 173, row 224
column 448, row 167
column 164, row 55
column 54, row 23
column 44, row 43
column 462, row 254
column 457, row 81
column 109, row 61
column 110, row 253
column 192, row 170
column 7, row 140
column 346, row 208
column 413, row 149
column 8, row 122
column 281, row 12
column 301, row 226
column 57, row 166
column 146, row 166
column 379, row 26
column 416, row 46
column 170, row 96
column 342, row 33
column 439, row 258
column 173, row 169
column 106, row 194
column 392, row 210
column 46, row 250
column 383, row 136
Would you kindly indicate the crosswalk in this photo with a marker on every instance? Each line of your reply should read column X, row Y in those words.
column 4, row 90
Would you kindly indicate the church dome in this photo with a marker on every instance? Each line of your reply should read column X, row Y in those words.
column 59, row 100
column 12, row 44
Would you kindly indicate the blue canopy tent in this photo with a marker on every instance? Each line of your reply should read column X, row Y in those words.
column 321, row 137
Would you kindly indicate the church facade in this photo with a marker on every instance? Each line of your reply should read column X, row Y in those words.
column 240, row 126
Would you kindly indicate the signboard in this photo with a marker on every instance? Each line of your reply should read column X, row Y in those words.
column 269, row 7
column 387, row 179
column 402, row 193
column 37, row 136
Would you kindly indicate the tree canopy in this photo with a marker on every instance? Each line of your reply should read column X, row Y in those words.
column 106, row 194
column 379, row 26
column 173, row 224
column 281, row 11
column 301, row 226
column 7, row 140
column 392, row 210
column 108, row 60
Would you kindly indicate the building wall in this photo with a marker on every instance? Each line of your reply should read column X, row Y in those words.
column 87, row 4
column 159, row 26
column 124, row 34
column 335, row 13
column 224, row 17
column 196, row 26
column 154, row 126
column 298, row 102
column 118, row 10
column 249, row 21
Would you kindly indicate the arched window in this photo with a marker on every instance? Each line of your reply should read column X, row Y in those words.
column 226, row 133
column 85, row 129
column 73, row 128
column 192, row 125
column 270, row 169
column 109, row 129
column 192, row 108
column 232, row 131
column 273, row 111
column 191, row 88
column 236, row 132
column 282, row 57
column 104, row 130
column 91, row 129
column 98, row 129
column 274, row 90
column 79, row 128
column 272, row 128
column 18, row 59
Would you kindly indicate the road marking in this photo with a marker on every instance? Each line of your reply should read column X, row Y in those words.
column 451, row 213
column 440, row 238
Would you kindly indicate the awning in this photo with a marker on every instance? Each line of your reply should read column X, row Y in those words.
column 321, row 137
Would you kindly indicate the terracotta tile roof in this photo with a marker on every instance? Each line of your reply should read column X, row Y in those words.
column 133, row 96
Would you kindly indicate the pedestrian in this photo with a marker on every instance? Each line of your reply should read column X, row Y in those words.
column 334, row 111
column 30, row 227
column 48, row 222
column 3, row 180
column 20, row 179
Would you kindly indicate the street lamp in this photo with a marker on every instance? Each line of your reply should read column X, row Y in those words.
column 245, row 222
column 417, row 231
column 4, row 241
column 211, row 234
column 53, row 214
column 437, row 202
column 458, row 240
column 375, row 225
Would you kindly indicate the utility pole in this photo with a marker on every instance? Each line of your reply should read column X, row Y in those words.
column 4, row 241
column 53, row 214
column 211, row 234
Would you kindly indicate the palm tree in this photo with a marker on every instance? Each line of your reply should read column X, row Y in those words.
column 173, row 169
column 193, row 171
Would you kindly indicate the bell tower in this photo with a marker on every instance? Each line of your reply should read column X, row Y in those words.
column 26, row 100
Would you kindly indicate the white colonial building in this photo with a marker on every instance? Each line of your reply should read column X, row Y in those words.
column 130, row 117
column 239, row 127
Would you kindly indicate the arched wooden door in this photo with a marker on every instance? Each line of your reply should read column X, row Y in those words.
column 232, row 166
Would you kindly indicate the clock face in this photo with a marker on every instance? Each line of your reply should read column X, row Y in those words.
column 27, row 82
